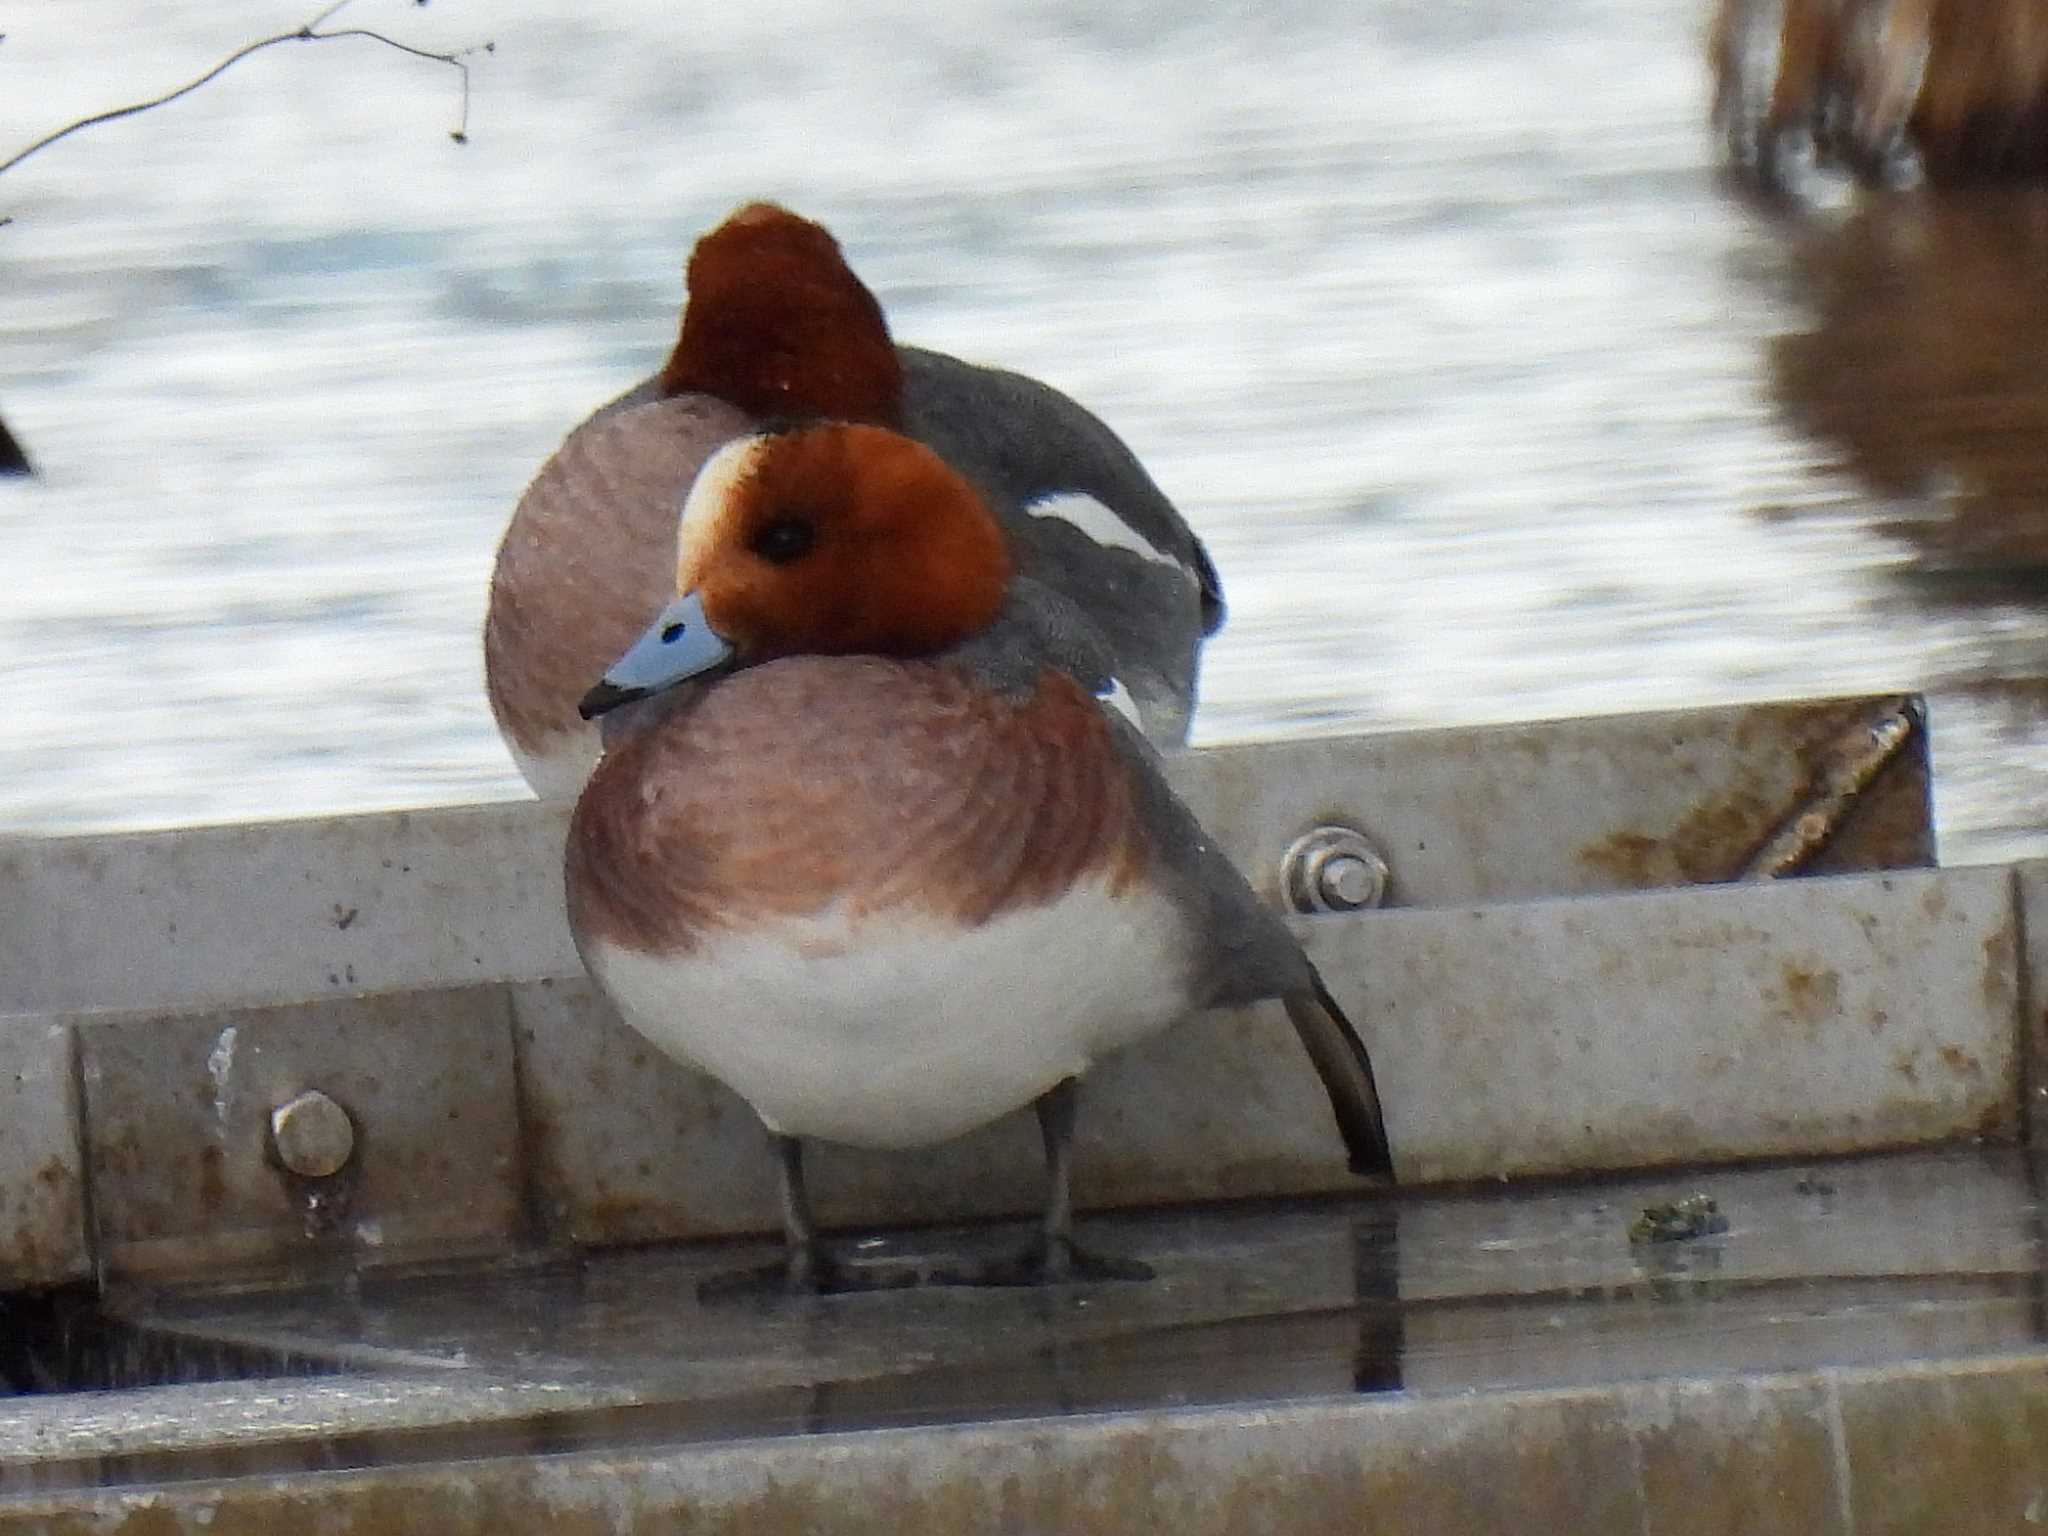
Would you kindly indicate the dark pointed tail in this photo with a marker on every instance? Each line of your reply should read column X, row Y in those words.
column 1340, row 1060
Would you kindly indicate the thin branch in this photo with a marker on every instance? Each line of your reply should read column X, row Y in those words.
column 308, row 33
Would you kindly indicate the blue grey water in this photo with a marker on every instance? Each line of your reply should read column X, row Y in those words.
column 1432, row 317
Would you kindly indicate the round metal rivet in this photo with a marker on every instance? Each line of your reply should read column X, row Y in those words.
column 1346, row 881
column 313, row 1135
column 1333, row 869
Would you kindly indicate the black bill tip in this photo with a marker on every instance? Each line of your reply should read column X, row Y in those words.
column 607, row 696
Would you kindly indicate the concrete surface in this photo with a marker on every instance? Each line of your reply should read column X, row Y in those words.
column 1703, row 1024
column 43, row 1236
column 278, row 912
column 1861, row 1351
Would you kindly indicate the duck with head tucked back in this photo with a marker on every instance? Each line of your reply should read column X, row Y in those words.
column 778, row 328
column 892, row 868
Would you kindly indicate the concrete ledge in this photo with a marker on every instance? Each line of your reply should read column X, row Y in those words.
column 279, row 912
column 1669, row 1027
column 1787, row 1019
column 1686, row 1026
column 42, row 1172
column 1959, row 1448
column 185, row 1178
column 282, row 912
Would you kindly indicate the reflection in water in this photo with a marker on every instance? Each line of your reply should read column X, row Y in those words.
column 1917, row 365
column 1927, row 369
column 1920, row 364
column 1471, row 408
column 1861, row 1261
column 1376, row 1278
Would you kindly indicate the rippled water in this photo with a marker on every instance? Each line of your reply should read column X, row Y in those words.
column 1490, row 401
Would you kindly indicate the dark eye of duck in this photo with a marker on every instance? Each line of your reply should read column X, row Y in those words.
column 784, row 540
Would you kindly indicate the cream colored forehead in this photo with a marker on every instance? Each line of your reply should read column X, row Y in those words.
column 712, row 505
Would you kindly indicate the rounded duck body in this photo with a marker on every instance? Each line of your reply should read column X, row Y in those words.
column 889, row 865
column 778, row 328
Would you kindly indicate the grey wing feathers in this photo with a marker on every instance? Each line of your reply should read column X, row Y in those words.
column 1245, row 953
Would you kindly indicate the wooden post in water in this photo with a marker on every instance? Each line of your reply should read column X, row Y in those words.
column 13, row 460
column 1885, row 89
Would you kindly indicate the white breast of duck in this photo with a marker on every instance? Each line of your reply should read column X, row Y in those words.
column 883, row 902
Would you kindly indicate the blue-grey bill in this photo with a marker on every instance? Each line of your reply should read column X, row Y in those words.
column 680, row 644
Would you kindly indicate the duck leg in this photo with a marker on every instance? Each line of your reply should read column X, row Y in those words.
column 1053, row 1257
column 808, row 1268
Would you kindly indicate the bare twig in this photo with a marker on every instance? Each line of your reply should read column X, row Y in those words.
column 308, row 33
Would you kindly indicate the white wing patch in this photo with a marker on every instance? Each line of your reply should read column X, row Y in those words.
column 1082, row 511
column 1116, row 696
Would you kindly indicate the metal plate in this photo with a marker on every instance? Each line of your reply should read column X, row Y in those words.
column 630, row 1146
column 1680, row 1026
column 178, row 1133
column 287, row 911
column 1580, row 1034
column 42, row 1179
column 1660, row 1028
column 283, row 911
column 1578, row 807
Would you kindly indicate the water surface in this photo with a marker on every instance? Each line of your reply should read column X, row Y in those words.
column 1491, row 402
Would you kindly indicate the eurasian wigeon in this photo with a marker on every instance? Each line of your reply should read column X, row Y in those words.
column 894, row 867
column 779, row 329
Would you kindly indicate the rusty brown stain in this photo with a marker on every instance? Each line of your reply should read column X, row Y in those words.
column 1810, row 995
column 1555, row 1462
column 1630, row 859
column 49, row 1238
column 1907, row 1065
column 213, row 1190
column 1708, row 843
column 1959, row 1061
column 1714, row 840
column 2001, row 952
column 605, row 1216
column 2000, row 1119
column 122, row 1156
column 23, row 1256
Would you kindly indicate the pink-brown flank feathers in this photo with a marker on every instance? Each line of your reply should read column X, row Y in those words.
column 880, row 785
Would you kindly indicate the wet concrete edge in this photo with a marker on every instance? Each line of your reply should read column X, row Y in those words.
column 1957, row 1446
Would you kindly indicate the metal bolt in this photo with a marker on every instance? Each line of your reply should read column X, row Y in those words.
column 1333, row 869
column 313, row 1135
column 1346, row 881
